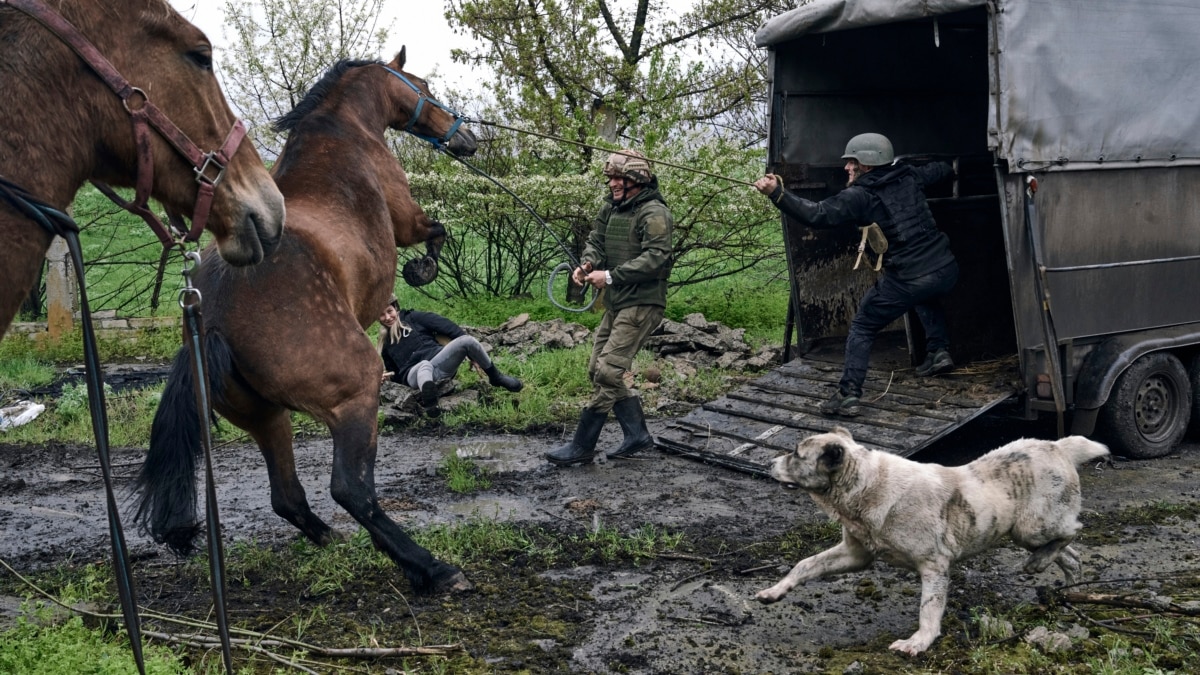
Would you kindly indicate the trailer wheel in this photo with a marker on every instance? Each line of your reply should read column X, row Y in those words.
column 1148, row 411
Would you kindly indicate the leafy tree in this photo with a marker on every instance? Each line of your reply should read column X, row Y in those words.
column 584, row 76
column 610, row 68
column 281, row 47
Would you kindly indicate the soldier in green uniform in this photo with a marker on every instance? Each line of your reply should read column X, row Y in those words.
column 628, row 255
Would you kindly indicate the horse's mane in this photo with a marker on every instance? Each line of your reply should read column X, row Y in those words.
column 317, row 93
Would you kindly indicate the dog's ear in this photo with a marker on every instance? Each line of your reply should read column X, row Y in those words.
column 841, row 431
column 831, row 456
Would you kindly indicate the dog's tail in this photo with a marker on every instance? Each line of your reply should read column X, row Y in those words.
column 1080, row 449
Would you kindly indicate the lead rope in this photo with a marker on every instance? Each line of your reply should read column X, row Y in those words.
column 193, row 337
column 580, row 144
column 567, row 266
column 58, row 223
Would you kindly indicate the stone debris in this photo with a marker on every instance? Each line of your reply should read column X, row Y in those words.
column 696, row 341
column 1050, row 641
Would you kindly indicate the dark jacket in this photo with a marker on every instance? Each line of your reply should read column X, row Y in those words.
column 421, row 343
column 893, row 197
column 632, row 240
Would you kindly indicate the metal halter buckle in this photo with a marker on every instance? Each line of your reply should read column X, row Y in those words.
column 201, row 175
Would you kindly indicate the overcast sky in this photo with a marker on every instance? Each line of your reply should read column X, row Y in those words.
column 424, row 31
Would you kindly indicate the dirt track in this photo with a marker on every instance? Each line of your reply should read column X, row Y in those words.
column 670, row 615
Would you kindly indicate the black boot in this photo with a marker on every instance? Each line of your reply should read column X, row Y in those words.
column 628, row 412
column 499, row 379
column 429, row 399
column 583, row 446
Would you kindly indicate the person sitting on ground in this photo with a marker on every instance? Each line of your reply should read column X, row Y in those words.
column 412, row 354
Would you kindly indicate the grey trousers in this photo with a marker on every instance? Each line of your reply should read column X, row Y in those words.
column 445, row 365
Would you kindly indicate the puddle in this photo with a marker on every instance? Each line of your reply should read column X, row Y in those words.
column 498, row 456
column 495, row 508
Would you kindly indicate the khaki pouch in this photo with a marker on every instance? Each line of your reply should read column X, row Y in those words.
column 872, row 235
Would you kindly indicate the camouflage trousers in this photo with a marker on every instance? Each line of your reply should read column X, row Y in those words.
column 618, row 338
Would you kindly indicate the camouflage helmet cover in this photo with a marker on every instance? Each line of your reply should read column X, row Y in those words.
column 870, row 150
column 629, row 164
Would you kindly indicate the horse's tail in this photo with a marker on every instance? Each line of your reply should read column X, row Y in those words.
column 166, row 507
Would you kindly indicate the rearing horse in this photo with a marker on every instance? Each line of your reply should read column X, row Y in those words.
column 289, row 334
column 120, row 91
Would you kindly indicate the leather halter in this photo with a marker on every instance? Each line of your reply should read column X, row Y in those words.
column 209, row 167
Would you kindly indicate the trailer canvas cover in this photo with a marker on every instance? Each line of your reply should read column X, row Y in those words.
column 1082, row 84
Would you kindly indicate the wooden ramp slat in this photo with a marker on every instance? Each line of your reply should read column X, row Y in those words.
column 746, row 428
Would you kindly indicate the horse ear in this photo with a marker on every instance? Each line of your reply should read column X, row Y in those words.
column 400, row 57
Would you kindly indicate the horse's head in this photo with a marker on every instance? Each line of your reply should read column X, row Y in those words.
column 161, row 54
column 421, row 114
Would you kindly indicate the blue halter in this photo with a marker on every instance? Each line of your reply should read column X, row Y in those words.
column 416, row 113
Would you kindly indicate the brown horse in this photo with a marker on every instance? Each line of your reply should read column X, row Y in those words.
column 289, row 334
column 64, row 122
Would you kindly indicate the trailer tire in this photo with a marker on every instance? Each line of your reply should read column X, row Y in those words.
column 1148, row 411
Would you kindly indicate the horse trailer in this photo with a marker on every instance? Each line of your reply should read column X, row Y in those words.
column 1074, row 126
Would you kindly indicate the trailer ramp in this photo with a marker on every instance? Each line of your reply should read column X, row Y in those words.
column 901, row 413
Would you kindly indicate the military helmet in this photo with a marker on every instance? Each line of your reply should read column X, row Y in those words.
column 870, row 150
column 629, row 164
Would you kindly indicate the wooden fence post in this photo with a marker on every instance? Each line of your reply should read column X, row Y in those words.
column 62, row 299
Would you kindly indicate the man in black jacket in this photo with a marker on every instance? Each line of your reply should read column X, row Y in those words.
column 413, row 355
column 919, row 268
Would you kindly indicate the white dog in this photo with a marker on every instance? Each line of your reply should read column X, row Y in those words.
column 924, row 517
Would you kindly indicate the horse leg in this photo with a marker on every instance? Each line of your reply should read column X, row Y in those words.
column 421, row 271
column 271, row 427
column 435, row 240
column 24, row 251
column 353, row 487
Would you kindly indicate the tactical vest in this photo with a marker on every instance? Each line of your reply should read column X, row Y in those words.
column 622, row 243
column 911, row 219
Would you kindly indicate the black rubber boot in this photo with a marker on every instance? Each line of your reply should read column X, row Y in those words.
column 499, row 379
column 583, row 446
column 628, row 412
column 429, row 399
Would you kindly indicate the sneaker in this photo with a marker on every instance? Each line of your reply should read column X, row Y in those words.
column 840, row 404
column 935, row 363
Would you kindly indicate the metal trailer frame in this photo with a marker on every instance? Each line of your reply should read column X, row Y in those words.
column 1075, row 127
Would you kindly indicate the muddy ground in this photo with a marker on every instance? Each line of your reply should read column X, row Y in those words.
column 687, row 613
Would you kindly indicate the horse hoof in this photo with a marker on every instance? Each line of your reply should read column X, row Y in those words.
column 420, row 271
column 455, row 584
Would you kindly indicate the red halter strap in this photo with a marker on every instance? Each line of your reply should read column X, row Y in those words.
column 209, row 167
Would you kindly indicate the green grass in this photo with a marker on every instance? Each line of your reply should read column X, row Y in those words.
column 463, row 475
column 556, row 385
column 159, row 344
column 68, row 419
column 121, row 256
column 23, row 371
column 38, row 646
column 471, row 542
column 611, row 545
